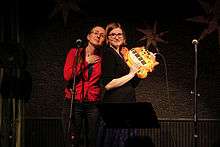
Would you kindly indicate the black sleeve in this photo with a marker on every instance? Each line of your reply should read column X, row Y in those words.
column 108, row 68
column 135, row 81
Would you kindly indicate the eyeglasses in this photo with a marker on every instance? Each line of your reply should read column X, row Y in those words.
column 119, row 35
column 98, row 34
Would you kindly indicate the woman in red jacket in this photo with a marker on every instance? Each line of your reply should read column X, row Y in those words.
column 82, row 70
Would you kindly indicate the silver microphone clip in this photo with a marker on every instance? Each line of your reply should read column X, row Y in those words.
column 195, row 41
column 78, row 43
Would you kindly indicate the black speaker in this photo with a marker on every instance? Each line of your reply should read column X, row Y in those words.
column 128, row 115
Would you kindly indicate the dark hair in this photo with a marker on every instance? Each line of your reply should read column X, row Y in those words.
column 87, row 31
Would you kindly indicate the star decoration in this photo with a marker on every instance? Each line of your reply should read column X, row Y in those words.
column 211, row 19
column 151, row 36
column 64, row 7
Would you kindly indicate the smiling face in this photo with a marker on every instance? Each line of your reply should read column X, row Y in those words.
column 97, row 36
column 115, row 35
column 116, row 38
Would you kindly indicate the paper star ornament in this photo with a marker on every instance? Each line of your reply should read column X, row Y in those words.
column 211, row 19
column 151, row 36
column 65, row 7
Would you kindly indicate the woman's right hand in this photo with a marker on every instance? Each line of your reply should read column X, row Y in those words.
column 124, row 79
column 134, row 69
column 91, row 59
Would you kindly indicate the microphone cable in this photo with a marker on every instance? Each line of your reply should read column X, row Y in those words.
column 170, row 110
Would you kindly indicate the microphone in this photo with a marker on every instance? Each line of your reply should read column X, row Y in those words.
column 78, row 43
column 195, row 41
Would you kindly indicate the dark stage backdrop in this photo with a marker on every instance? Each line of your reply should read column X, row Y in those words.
column 48, row 43
column 47, row 34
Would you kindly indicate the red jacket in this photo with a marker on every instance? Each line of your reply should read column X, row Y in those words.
column 89, row 82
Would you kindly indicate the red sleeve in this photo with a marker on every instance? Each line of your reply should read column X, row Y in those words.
column 70, row 64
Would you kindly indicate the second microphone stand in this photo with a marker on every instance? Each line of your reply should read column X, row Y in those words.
column 194, row 92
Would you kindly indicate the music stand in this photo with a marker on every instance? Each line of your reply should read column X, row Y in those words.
column 128, row 115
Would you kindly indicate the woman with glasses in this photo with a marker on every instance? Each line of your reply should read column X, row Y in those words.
column 118, row 79
column 82, row 71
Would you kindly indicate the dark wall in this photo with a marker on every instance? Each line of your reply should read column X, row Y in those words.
column 47, row 45
column 47, row 38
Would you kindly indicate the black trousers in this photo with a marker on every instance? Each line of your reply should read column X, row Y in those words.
column 83, row 124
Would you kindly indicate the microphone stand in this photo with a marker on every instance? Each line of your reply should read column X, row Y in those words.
column 73, row 92
column 195, row 135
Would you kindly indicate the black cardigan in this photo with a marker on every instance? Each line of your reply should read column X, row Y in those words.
column 115, row 67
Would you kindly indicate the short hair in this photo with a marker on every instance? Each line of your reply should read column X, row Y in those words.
column 114, row 25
